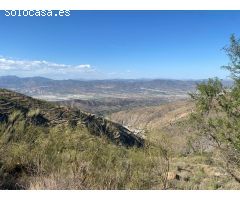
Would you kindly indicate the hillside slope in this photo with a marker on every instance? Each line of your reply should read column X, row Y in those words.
column 153, row 117
column 195, row 162
column 43, row 146
column 47, row 114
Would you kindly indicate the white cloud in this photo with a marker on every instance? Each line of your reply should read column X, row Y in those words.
column 86, row 66
column 29, row 68
column 41, row 67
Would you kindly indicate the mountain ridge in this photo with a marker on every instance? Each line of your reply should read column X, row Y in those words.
column 52, row 115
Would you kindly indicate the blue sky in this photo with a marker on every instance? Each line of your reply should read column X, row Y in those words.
column 118, row 44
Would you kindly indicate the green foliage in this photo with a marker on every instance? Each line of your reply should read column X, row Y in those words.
column 233, row 52
column 206, row 94
column 15, row 115
column 63, row 157
column 218, row 112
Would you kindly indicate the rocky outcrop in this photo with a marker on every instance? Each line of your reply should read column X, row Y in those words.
column 114, row 131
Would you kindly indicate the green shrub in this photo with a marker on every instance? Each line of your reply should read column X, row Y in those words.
column 218, row 116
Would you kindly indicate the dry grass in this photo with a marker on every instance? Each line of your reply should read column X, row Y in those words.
column 194, row 162
column 71, row 158
column 153, row 117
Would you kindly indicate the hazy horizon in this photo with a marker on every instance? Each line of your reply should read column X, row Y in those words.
column 112, row 79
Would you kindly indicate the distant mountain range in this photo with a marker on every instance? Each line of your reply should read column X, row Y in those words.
column 100, row 96
column 40, row 85
column 44, row 85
